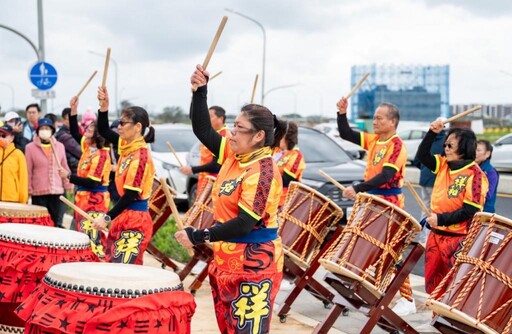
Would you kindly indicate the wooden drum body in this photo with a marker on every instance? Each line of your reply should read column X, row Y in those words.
column 24, row 214
column 159, row 208
column 200, row 215
column 376, row 236
column 108, row 297
column 304, row 222
column 480, row 293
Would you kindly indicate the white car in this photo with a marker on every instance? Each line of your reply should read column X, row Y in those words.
column 412, row 139
column 502, row 153
column 182, row 138
column 331, row 129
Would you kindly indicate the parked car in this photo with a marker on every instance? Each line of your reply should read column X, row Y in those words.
column 412, row 139
column 502, row 153
column 321, row 152
column 182, row 138
column 331, row 129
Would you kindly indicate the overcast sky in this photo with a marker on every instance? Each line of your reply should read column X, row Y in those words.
column 157, row 44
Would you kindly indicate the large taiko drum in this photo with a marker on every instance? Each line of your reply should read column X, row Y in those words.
column 304, row 222
column 200, row 215
column 376, row 236
column 158, row 207
column 24, row 214
column 479, row 286
column 108, row 298
column 26, row 254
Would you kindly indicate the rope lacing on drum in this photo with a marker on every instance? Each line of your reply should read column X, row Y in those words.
column 479, row 271
column 313, row 225
column 157, row 195
column 200, row 207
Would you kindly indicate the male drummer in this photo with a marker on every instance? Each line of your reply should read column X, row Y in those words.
column 385, row 168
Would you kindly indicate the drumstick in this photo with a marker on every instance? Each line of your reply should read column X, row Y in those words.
column 333, row 181
column 359, row 83
column 55, row 155
column 174, row 209
column 80, row 211
column 254, row 88
column 417, row 197
column 462, row 114
column 174, row 152
column 212, row 46
column 105, row 70
column 215, row 75
column 86, row 84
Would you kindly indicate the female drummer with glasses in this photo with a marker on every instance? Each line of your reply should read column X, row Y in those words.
column 247, row 268
column 459, row 192
column 132, row 227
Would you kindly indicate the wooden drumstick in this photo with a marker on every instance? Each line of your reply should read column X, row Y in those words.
column 86, row 84
column 80, row 211
column 215, row 75
column 417, row 197
column 174, row 152
column 55, row 155
column 462, row 114
column 174, row 209
column 105, row 72
column 254, row 88
column 333, row 181
column 212, row 46
column 359, row 83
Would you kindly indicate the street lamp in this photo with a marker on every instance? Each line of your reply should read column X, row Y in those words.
column 115, row 77
column 264, row 49
column 12, row 93
column 280, row 87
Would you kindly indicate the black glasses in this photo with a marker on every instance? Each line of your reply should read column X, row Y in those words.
column 2, row 135
column 122, row 123
column 449, row 145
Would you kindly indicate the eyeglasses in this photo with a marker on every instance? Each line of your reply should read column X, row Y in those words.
column 122, row 123
column 240, row 129
column 449, row 145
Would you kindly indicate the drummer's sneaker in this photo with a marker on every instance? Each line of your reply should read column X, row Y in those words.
column 404, row 307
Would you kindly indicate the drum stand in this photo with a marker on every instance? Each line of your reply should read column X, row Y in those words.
column 376, row 308
column 158, row 221
column 450, row 326
column 304, row 280
column 202, row 252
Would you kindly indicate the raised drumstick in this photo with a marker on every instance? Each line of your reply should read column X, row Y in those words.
column 359, row 83
column 86, row 84
column 212, row 46
column 333, row 181
column 417, row 197
column 215, row 75
column 254, row 88
column 105, row 71
column 462, row 114
column 174, row 152
column 80, row 211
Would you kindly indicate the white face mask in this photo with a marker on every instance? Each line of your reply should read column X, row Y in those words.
column 45, row 134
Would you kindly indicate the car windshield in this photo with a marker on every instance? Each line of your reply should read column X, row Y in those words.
column 317, row 147
column 181, row 140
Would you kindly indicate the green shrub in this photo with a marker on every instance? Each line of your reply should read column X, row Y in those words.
column 165, row 242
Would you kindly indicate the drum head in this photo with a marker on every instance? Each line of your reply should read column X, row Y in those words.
column 128, row 280
column 9, row 209
column 43, row 236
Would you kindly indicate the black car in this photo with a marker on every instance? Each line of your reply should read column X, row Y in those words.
column 321, row 152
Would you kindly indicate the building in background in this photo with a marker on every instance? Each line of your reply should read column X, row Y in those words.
column 421, row 93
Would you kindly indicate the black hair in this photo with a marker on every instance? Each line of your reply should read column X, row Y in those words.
column 292, row 135
column 219, row 112
column 261, row 118
column 466, row 142
column 488, row 147
column 65, row 112
column 33, row 105
column 140, row 115
column 51, row 116
column 96, row 137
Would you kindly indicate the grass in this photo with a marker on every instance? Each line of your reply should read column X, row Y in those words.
column 492, row 134
column 165, row 242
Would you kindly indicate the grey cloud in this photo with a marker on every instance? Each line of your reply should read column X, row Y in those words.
column 494, row 8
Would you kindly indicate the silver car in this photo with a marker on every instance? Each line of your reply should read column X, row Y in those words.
column 502, row 153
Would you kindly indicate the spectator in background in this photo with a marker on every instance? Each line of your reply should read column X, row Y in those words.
column 427, row 178
column 14, row 120
column 53, row 117
column 44, row 182
column 483, row 158
column 73, row 150
column 13, row 169
column 33, row 113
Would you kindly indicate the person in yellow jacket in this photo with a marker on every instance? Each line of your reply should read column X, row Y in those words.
column 13, row 169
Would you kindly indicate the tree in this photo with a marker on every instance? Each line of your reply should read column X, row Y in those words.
column 172, row 114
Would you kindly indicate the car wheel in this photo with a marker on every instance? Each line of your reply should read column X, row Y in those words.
column 192, row 195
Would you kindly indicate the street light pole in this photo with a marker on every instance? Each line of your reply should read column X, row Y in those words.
column 264, row 50
column 115, row 77
column 40, row 28
column 280, row 87
column 12, row 93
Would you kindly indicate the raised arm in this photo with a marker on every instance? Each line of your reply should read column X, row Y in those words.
column 343, row 127
column 103, row 126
